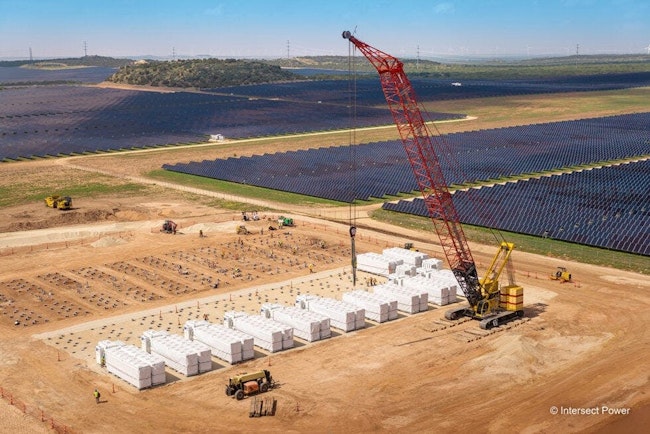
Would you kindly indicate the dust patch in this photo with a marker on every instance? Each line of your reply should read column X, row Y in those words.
column 109, row 242
column 519, row 358
column 533, row 295
column 397, row 422
column 621, row 280
column 224, row 227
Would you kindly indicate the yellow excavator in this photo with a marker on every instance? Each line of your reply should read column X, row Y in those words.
column 55, row 201
column 562, row 275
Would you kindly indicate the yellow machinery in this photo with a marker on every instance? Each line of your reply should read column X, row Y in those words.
column 64, row 203
column 51, row 201
column 562, row 275
column 59, row 202
column 247, row 384
column 491, row 303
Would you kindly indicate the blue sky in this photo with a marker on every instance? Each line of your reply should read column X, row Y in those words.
column 275, row 28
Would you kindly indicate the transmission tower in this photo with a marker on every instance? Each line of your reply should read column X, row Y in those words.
column 85, row 49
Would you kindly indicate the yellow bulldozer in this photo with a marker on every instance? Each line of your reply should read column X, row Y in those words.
column 562, row 275
column 60, row 202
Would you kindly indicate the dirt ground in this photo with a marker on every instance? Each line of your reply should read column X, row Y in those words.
column 104, row 271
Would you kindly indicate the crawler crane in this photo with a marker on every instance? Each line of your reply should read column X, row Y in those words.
column 484, row 296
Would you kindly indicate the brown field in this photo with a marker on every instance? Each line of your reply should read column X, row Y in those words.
column 104, row 271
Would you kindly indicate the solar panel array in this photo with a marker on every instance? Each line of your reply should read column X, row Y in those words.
column 607, row 207
column 53, row 120
column 92, row 74
column 369, row 93
column 330, row 173
column 381, row 169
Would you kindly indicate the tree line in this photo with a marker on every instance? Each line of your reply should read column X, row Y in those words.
column 201, row 73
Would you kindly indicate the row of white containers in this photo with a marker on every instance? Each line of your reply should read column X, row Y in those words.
column 343, row 316
column 414, row 270
column 267, row 334
column 186, row 357
column 395, row 261
column 230, row 345
column 307, row 325
column 131, row 363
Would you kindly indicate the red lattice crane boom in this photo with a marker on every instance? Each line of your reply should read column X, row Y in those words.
column 419, row 148
column 483, row 295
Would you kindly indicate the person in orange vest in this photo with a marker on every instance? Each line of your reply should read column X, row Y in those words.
column 96, row 394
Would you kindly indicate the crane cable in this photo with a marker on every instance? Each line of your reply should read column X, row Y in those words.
column 352, row 105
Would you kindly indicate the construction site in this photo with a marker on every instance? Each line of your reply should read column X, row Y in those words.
column 82, row 294
column 106, row 295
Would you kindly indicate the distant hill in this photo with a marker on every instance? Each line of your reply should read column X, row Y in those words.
column 534, row 68
column 201, row 73
column 71, row 62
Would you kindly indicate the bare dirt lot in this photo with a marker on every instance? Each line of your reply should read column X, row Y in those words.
column 583, row 346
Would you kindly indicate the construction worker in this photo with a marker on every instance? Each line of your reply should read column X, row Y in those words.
column 96, row 394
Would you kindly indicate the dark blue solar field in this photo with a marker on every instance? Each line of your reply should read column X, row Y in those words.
column 369, row 91
column 82, row 75
column 54, row 120
column 381, row 169
column 607, row 207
